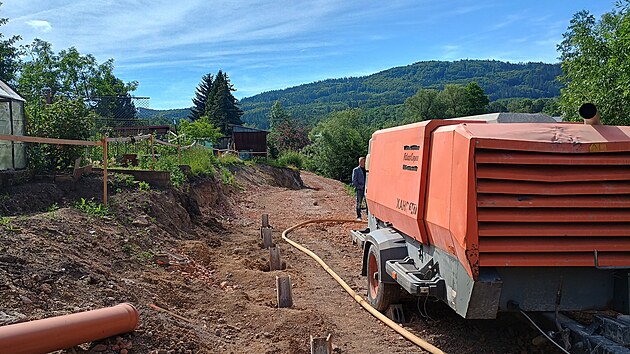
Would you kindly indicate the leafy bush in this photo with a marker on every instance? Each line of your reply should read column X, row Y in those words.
column 339, row 141
column 144, row 186
column 227, row 177
column 63, row 119
column 120, row 180
column 287, row 133
column 200, row 129
column 169, row 163
column 92, row 208
column 292, row 158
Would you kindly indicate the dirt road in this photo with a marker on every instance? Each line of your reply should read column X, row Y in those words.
column 323, row 307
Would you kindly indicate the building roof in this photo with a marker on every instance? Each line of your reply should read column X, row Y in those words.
column 242, row 129
column 7, row 92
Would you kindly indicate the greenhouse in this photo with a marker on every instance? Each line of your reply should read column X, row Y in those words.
column 12, row 122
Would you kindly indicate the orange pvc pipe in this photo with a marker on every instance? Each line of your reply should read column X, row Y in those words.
column 62, row 332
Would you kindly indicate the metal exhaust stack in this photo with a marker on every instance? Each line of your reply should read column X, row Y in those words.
column 590, row 114
column 50, row 334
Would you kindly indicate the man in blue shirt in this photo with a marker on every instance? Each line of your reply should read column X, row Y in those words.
column 358, row 181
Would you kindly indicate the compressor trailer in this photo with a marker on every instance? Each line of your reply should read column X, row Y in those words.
column 497, row 217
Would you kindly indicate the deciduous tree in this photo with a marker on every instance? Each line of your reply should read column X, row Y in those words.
column 424, row 105
column 338, row 141
column 9, row 55
column 455, row 101
column 477, row 100
column 596, row 64
column 63, row 119
column 278, row 114
column 73, row 75
column 287, row 133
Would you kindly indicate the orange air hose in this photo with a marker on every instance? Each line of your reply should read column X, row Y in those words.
column 396, row 327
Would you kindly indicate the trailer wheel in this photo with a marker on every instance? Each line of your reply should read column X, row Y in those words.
column 380, row 295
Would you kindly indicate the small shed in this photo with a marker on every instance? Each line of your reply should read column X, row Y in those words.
column 250, row 140
column 246, row 141
column 12, row 122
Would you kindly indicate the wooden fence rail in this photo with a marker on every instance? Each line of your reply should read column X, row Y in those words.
column 40, row 140
column 104, row 142
column 33, row 139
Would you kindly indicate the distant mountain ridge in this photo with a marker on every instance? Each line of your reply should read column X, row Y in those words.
column 382, row 94
column 162, row 116
column 391, row 87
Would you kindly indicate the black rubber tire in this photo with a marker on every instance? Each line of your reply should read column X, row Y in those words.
column 380, row 295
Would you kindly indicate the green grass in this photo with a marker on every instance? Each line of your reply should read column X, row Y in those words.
column 271, row 162
column 201, row 161
column 350, row 189
column 230, row 159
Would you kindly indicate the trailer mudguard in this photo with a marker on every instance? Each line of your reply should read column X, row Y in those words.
column 390, row 245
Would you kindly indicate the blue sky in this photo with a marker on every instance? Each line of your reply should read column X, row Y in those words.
column 264, row 45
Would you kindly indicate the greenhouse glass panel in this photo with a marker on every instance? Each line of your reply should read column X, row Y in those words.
column 19, row 148
column 20, row 155
column 5, row 119
column 18, row 117
column 6, row 154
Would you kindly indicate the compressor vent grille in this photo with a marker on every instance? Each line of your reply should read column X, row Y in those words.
column 553, row 209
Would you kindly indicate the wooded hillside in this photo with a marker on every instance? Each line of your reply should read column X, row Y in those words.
column 376, row 92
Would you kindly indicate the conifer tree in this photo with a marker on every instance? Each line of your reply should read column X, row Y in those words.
column 222, row 106
column 201, row 97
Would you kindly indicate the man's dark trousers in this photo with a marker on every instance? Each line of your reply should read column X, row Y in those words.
column 360, row 197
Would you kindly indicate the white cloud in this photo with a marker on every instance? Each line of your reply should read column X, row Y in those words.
column 40, row 25
column 450, row 52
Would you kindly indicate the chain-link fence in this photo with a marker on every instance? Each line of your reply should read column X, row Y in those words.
column 120, row 115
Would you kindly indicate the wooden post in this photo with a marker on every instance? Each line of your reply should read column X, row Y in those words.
column 152, row 153
column 104, row 141
column 265, row 220
column 321, row 345
column 284, row 292
column 274, row 258
column 266, row 233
